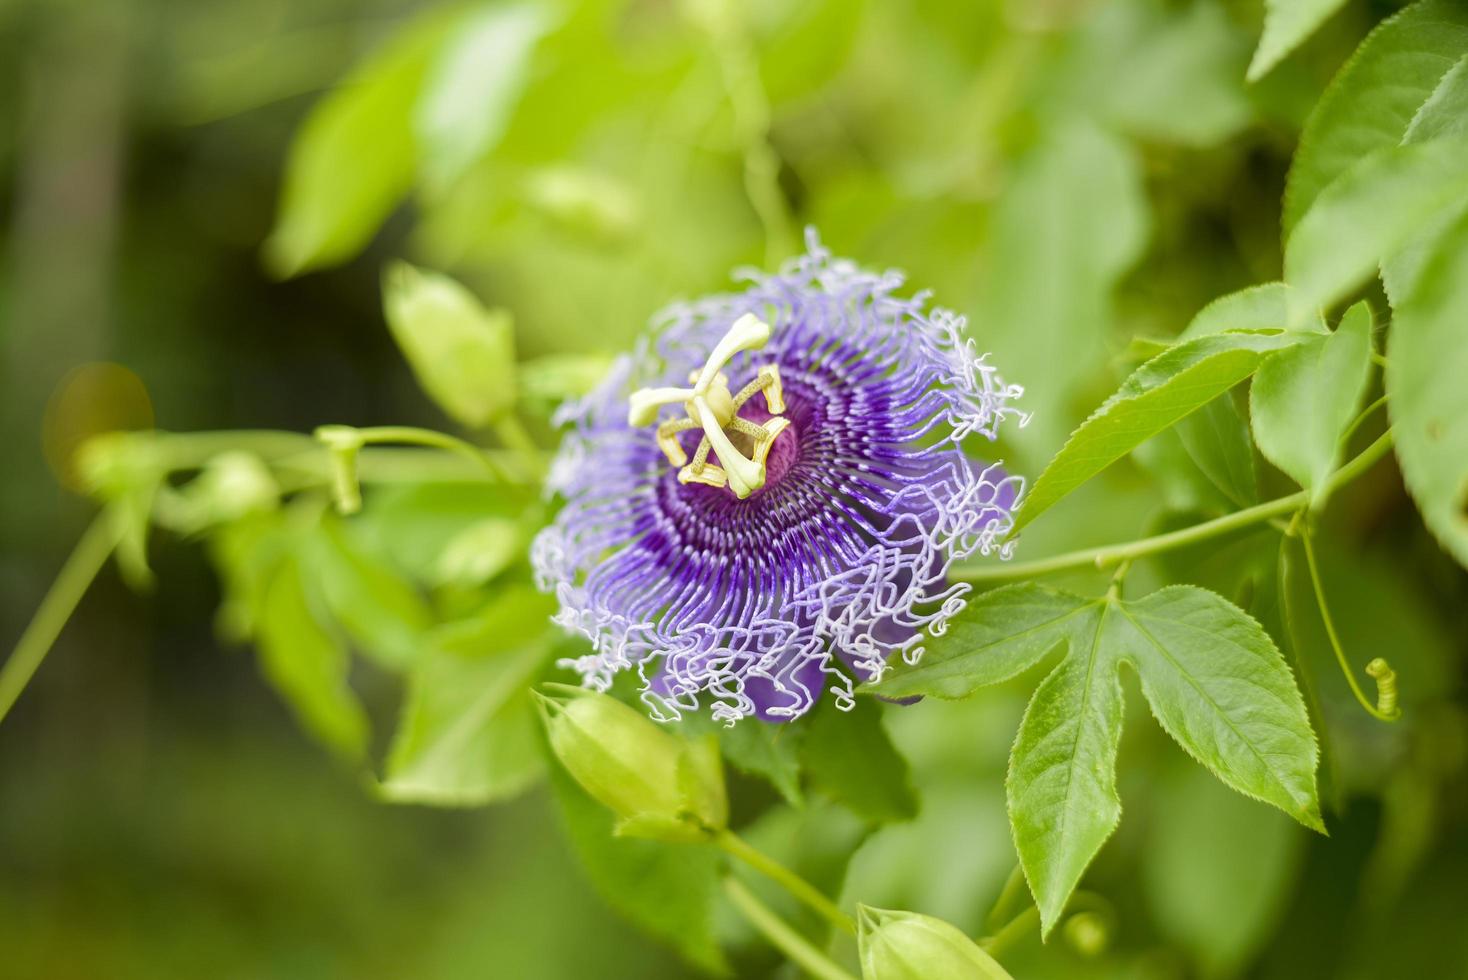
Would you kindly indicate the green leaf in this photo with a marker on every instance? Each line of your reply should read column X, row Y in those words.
column 419, row 524
column 1445, row 113
column 998, row 635
column 1303, row 399
column 1073, row 212
column 1263, row 307
column 1213, row 677
column 1428, row 399
column 307, row 665
column 381, row 612
column 481, row 551
column 1371, row 102
column 850, row 758
column 1216, row 439
column 461, row 353
column 1220, row 687
column 1367, row 215
column 667, row 889
column 1167, row 72
column 1062, row 774
column 768, row 751
column 1162, row 391
column 468, row 734
column 354, row 158
column 473, row 86
column 1287, row 24
column 1443, row 116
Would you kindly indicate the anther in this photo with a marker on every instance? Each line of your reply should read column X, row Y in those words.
column 710, row 407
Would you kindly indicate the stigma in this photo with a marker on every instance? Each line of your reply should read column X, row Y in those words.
column 711, row 406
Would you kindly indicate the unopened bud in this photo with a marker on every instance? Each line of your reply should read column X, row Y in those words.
column 659, row 785
column 907, row 946
column 1087, row 933
column 462, row 353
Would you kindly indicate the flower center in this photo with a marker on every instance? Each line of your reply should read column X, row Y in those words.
column 711, row 407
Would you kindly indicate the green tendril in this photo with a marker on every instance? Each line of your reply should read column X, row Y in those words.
column 1386, row 708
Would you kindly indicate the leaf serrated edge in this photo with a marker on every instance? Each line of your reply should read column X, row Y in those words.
column 1307, row 817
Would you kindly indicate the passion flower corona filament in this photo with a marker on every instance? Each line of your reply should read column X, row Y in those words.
column 752, row 549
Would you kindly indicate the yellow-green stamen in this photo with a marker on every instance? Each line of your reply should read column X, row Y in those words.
column 712, row 408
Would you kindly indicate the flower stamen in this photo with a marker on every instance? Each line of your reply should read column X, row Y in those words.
column 712, row 408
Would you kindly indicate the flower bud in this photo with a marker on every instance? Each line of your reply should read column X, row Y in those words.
column 907, row 946
column 1087, row 933
column 462, row 353
column 659, row 785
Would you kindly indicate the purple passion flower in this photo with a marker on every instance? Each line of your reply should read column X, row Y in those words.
column 756, row 544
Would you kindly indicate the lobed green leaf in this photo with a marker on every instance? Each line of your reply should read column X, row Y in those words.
column 998, row 635
column 1221, row 688
column 1062, row 773
column 1215, row 681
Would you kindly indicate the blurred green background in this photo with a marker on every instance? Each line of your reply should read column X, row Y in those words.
column 1069, row 174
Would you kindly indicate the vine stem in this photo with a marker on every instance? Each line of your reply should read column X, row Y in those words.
column 797, row 886
column 1015, row 929
column 1330, row 631
column 779, row 933
column 429, row 437
column 1012, row 892
column 751, row 106
column 81, row 567
column 1108, row 555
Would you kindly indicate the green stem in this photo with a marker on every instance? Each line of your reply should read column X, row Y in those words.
column 1330, row 632
column 1108, row 555
column 739, row 68
column 410, row 435
column 1012, row 892
column 1013, row 931
column 512, row 433
column 1360, row 419
column 86, row 560
column 402, row 465
column 779, row 933
column 190, row 450
column 797, row 886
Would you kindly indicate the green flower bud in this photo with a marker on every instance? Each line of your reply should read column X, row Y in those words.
column 660, row 785
column 461, row 353
column 1087, row 933
column 907, row 946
